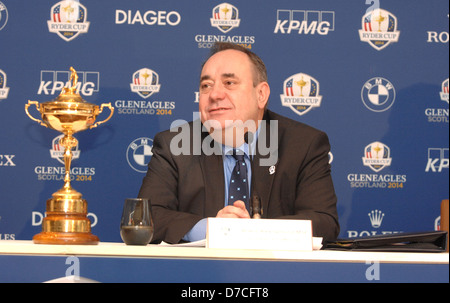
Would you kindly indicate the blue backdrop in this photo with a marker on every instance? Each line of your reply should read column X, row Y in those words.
column 376, row 78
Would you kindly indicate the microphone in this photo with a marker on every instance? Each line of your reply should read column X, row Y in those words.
column 256, row 207
column 248, row 137
column 255, row 201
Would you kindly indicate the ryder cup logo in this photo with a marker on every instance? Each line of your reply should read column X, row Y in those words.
column 3, row 15
column 68, row 19
column 145, row 83
column 444, row 91
column 139, row 153
column 225, row 17
column 377, row 156
column 301, row 93
column 57, row 151
column 378, row 94
column 3, row 89
column 379, row 29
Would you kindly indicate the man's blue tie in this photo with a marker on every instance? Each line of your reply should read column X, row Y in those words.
column 238, row 189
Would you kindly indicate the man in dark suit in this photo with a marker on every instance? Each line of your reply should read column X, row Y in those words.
column 187, row 184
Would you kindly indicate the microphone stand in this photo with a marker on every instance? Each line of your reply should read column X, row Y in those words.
column 255, row 200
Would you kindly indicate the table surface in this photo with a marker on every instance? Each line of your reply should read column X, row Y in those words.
column 108, row 249
column 24, row 261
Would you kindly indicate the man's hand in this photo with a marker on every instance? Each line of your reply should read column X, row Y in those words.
column 237, row 210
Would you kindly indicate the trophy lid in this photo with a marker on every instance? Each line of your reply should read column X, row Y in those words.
column 68, row 95
column 69, row 98
column 69, row 113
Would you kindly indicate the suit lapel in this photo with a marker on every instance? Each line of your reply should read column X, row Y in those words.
column 264, row 175
column 214, row 180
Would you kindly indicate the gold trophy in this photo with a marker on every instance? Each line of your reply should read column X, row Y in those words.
column 379, row 19
column 301, row 84
column 66, row 219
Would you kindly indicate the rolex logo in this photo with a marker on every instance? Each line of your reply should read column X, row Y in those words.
column 376, row 217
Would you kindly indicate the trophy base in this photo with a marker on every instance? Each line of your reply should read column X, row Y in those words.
column 63, row 238
column 66, row 220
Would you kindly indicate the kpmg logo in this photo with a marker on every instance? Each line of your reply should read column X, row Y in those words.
column 3, row 15
column 225, row 17
column 68, row 19
column 444, row 91
column 57, row 151
column 52, row 82
column 377, row 156
column 3, row 89
column 145, row 83
column 378, row 94
column 379, row 28
column 438, row 159
column 139, row 153
column 304, row 22
column 301, row 93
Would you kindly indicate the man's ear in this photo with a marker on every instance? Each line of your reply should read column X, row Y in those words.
column 263, row 91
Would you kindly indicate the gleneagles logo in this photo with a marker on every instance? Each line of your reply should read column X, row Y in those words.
column 57, row 173
column 377, row 156
column 224, row 17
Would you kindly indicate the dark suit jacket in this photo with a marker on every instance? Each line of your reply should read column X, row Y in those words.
column 183, row 189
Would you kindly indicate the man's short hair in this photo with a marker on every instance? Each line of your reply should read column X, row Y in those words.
column 260, row 72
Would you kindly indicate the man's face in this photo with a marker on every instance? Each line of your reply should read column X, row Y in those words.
column 227, row 90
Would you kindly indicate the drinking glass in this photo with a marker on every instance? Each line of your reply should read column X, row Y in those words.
column 136, row 225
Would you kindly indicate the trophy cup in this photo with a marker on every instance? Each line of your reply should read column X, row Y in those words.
column 66, row 219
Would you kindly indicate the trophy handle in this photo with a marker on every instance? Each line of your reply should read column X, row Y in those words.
column 31, row 117
column 108, row 105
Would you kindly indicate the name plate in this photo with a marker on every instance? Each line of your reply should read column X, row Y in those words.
column 269, row 234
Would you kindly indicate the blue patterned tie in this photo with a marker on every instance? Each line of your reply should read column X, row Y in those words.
column 238, row 189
